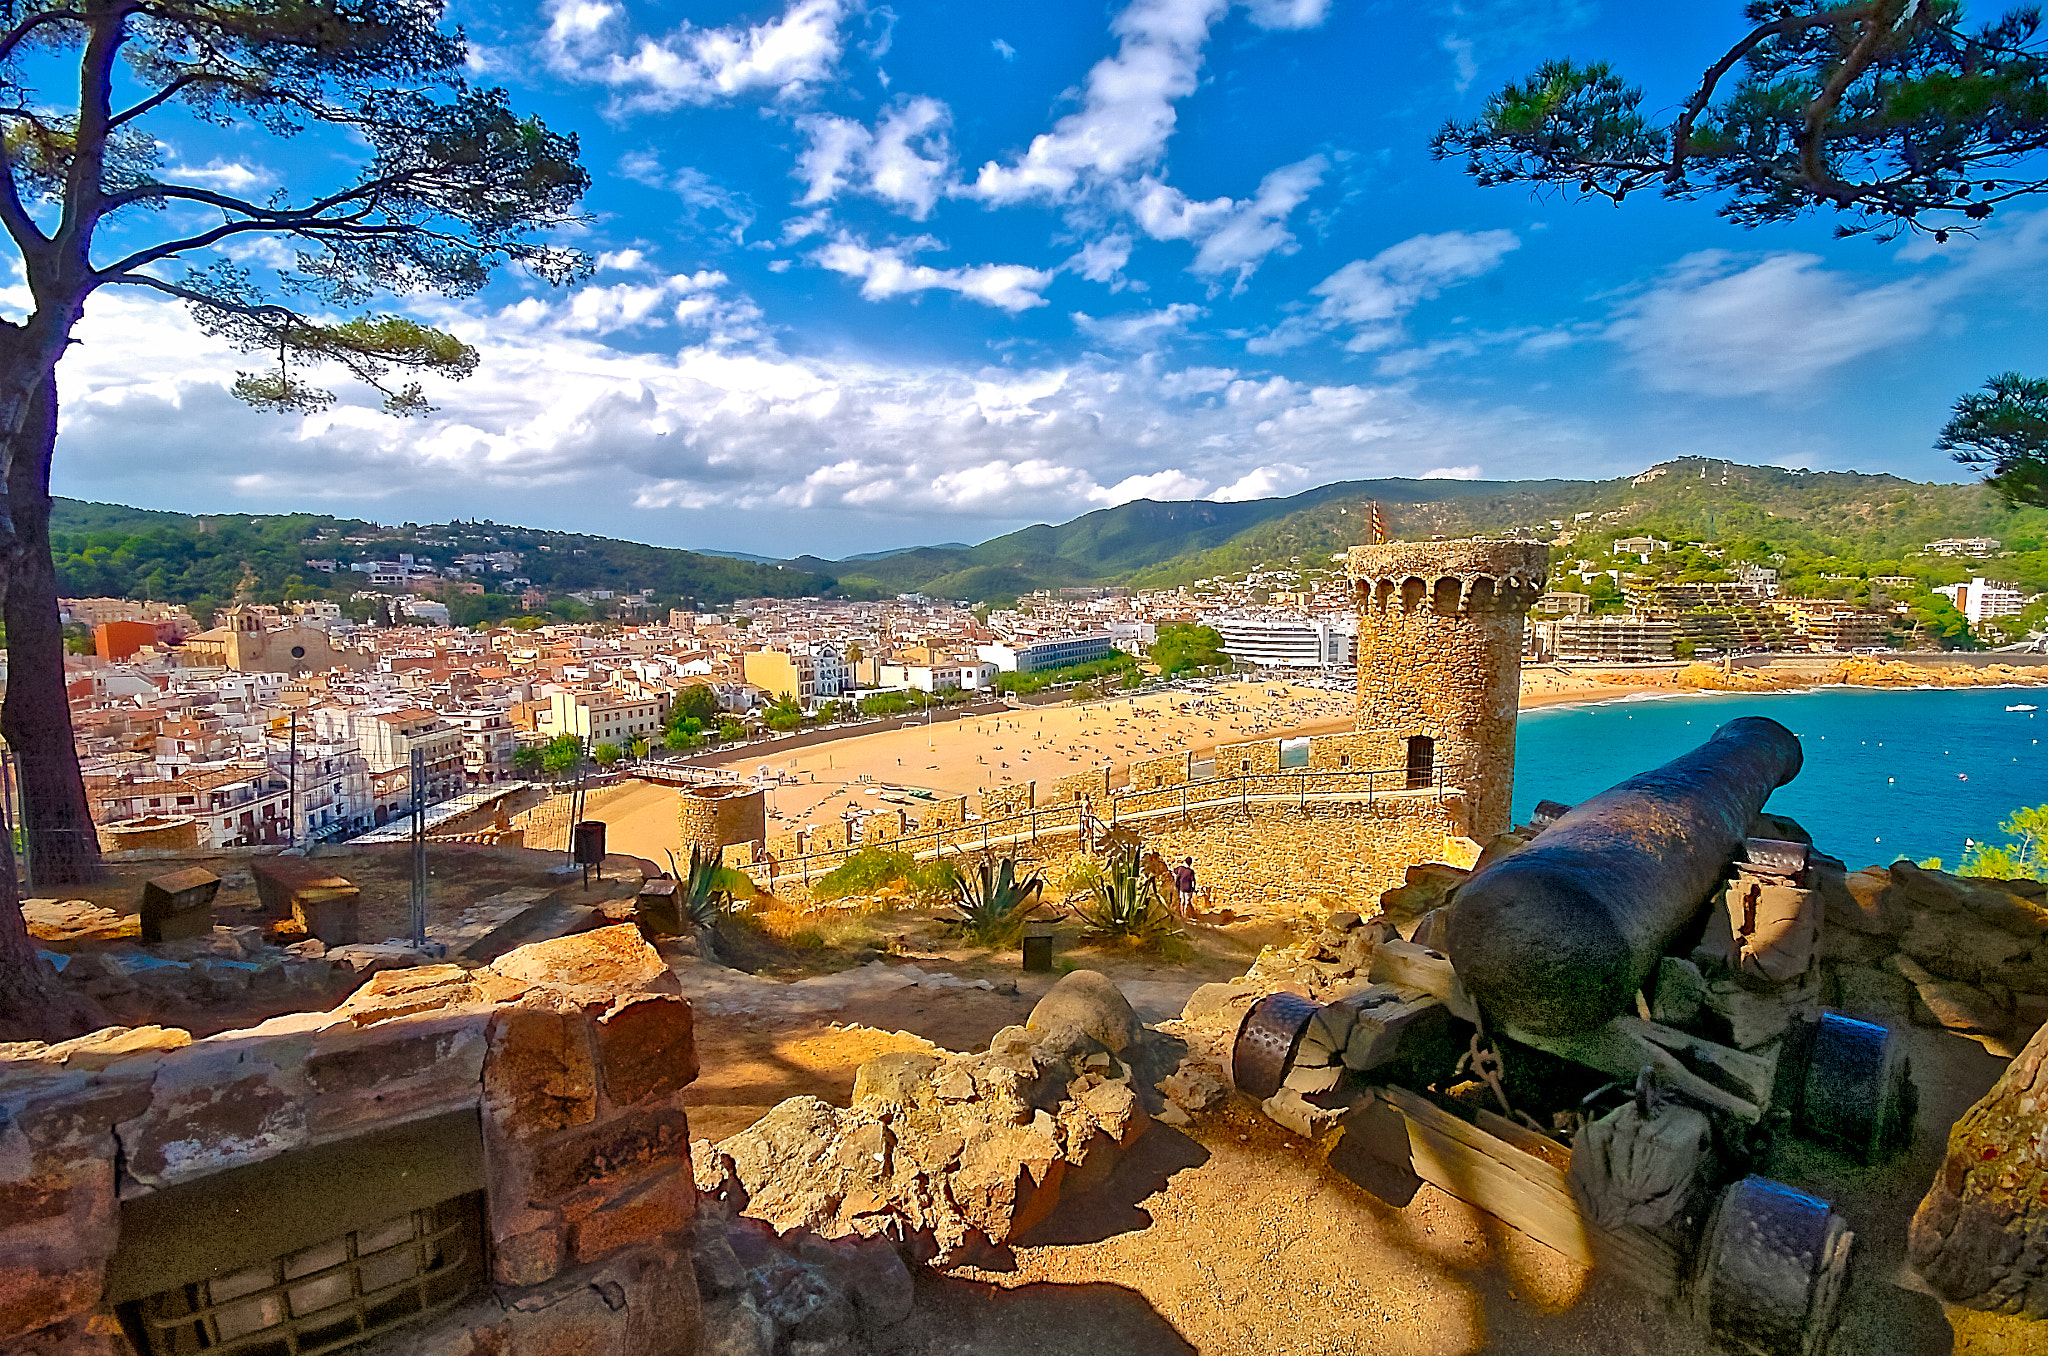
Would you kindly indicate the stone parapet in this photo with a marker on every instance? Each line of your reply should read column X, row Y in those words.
column 568, row 1059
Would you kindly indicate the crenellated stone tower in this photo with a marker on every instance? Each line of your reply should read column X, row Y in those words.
column 1440, row 663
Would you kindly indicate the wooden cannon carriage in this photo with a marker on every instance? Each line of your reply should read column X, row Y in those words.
column 1598, row 1037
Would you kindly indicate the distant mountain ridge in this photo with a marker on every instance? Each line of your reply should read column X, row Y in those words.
column 107, row 548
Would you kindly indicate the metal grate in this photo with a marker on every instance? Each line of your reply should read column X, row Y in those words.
column 328, row 1296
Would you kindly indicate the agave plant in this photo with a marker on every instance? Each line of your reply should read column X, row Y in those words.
column 705, row 900
column 992, row 903
column 1127, row 903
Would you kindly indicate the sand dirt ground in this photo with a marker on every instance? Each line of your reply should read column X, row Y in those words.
column 1234, row 1238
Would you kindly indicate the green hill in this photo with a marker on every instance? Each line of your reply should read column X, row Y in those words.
column 208, row 561
column 1820, row 523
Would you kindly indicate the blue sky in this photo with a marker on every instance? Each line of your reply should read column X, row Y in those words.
column 914, row 272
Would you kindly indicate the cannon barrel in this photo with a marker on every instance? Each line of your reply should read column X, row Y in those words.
column 1557, row 938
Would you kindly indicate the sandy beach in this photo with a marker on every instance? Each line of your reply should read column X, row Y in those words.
column 966, row 757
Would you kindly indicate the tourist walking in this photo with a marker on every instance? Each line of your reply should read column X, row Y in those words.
column 1184, row 882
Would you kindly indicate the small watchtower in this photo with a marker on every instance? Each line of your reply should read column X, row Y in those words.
column 1440, row 662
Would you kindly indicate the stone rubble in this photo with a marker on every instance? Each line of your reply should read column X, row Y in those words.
column 951, row 1157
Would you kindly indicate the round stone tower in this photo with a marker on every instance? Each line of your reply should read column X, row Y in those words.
column 720, row 814
column 1440, row 663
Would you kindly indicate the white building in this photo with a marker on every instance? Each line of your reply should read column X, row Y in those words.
column 1052, row 652
column 1980, row 599
column 1268, row 641
column 967, row 677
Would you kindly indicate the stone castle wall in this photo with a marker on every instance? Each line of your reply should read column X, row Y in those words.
column 1258, row 840
column 1440, row 645
column 557, row 1074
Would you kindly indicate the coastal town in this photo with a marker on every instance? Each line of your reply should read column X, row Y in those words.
column 291, row 722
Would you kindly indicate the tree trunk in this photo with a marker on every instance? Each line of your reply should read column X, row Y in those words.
column 63, row 847
column 34, row 1004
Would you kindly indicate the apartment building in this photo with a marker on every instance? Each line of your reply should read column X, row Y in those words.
column 488, row 742
column 604, row 717
column 965, row 675
column 782, row 673
column 1613, row 640
column 387, row 740
column 1287, row 642
column 1051, row 652
column 1980, row 599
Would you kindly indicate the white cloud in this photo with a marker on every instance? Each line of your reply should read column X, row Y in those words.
column 1234, row 235
column 785, row 56
column 1168, row 484
column 622, row 261
column 230, row 176
column 905, row 161
column 1139, row 329
column 1263, row 482
column 1372, row 296
column 1127, row 111
column 889, row 272
column 556, row 417
column 1288, row 13
column 1451, row 473
column 1103, row 260
column 1718, row 325
column 1004, row 50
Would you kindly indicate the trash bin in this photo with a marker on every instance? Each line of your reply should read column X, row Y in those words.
column 589, row 842
column 1038, row 946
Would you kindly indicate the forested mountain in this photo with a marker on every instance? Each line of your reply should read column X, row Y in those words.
column 1833, row 520
column 211, row 560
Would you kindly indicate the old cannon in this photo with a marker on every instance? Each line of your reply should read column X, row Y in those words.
column 1598, row 1038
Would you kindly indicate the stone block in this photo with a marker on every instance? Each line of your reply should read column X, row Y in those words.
column 892, row 1079
column 60, row 920
column 178, row 904
column 1090, row 1001
column 829, row 837
column 1980, row 1236
column 621, row 1149
column 1156, row 774
column 540, row 1073
column 1251, row 758
column 1007, row 802
column 1962, row 1008
column 529, row 1258
column 1865, row 903
column 220, row 1103
column 1092, row 785
column 643, row 1212
column 947, row 812
column 404, row 1069
column 615, row 959
column 323, row 903
column 646, row 1047
column 1872, row 994
column 1958, row 946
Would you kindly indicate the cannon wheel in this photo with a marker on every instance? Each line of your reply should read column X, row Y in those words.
column 1858, row 1088
column 1771, row 1266
column 1266, row 1041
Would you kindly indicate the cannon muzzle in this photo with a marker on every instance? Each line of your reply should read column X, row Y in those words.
column 1557, row 938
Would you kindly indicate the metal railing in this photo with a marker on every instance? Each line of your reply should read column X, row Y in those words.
column 1241, row 789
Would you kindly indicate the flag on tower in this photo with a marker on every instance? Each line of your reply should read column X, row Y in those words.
column 1378, row 524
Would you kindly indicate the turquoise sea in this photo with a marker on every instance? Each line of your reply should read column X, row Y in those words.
column 1888, row 773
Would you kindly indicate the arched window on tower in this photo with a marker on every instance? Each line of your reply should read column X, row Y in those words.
column 1421, row 761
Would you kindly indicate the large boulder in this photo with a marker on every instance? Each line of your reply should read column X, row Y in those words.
column 1090, row 1001
column 1980, row 1237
